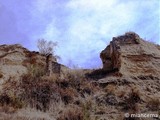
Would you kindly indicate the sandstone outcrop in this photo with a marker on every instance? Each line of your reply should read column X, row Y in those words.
column 131, row 65
column 132, row 56
column 16, row 60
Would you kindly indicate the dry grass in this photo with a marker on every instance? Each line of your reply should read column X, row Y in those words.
column 7, row 100
column 39, row 92
column 36, row 71
column 71, row 97
column 67, row 95
column 130, row 103
column 121, row 92
column 1, row 75
column 73, row 74
column 110, row 88
column 154, row 104
column 72, row 113
column 29, row 91
column 50, row 94
column 27, row 114
column 7, row 109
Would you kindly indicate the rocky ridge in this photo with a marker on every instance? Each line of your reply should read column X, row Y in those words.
column 16, row 60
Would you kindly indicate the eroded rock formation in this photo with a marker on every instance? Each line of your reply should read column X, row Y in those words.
column 16, row 60
column 131, row 55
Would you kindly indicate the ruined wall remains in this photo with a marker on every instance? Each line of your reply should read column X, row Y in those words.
column 49, row 65
column 53, row 67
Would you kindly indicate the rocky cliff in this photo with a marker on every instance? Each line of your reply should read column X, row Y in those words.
column 131, row 56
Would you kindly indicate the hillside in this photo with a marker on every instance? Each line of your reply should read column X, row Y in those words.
column 36, row 87
column 16, row 60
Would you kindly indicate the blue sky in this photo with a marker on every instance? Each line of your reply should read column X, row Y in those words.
column 82, row 28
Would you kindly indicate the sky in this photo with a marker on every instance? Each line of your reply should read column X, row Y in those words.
column 82, row 28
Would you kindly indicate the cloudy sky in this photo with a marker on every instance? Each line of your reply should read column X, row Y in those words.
column 82, row 28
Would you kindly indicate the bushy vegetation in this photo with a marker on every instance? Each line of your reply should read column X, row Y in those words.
column 47, row 47
column 40, row 92
column 154, row 104
column 1, row 75
column 131, row 102
column 72, row 113
column 72, row 96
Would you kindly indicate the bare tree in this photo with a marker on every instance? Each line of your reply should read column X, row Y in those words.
column 47, row 47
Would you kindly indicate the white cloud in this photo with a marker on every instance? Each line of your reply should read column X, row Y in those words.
column 91, row 24
column 51, row 32
column 91, row 4
column 93, row 17
column 92, row 20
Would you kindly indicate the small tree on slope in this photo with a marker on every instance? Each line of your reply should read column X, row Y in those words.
column 47, row 47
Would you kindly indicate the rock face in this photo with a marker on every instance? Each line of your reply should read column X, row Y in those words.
column 130, row 55
column 16, row 60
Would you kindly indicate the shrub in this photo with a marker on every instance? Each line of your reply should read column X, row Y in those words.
column 110, row 88
column 47, row 47
column 67, row 95
column 86, row 109
column 1, row 75
column 131, row 102
column 154, row 104
column 34, row 91
column 36, row 71
column 38, row 92
column 72, row 113
column 12, row 101
column 73, row 78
